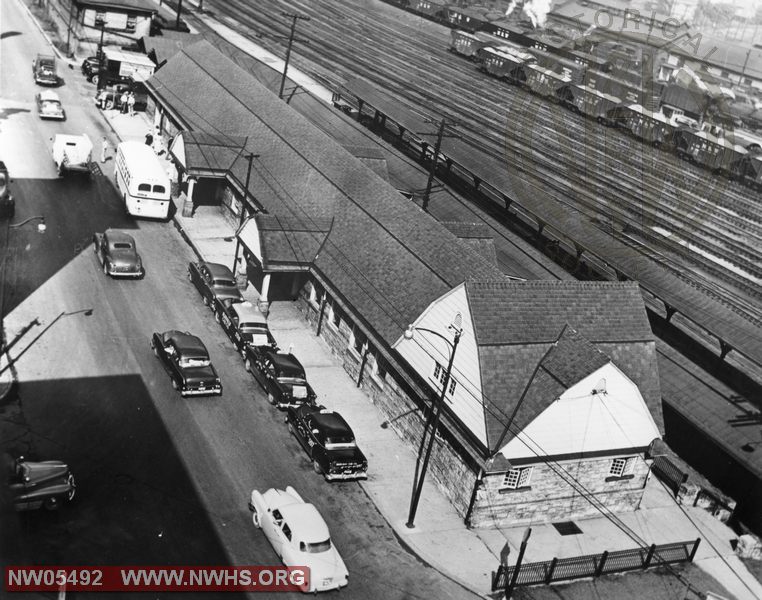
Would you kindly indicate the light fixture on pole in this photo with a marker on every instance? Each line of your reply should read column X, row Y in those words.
column 41, row 227
column 85, row 311
column 457, row 327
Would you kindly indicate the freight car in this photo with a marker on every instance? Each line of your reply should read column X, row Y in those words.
column 708, row 149
column 748, row 170
column 505, row 64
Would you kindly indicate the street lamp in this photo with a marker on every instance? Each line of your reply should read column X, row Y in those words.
column 41, row 227
column 86, row 311
column 457, row 327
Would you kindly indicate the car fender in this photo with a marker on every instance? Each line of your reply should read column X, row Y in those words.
column 258, row 507
column 290, row 490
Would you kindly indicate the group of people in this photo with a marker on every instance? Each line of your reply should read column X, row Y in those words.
column 126, row 101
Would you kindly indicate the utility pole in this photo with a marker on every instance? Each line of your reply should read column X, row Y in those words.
column 179, row 10
column 250, row 157
column 433, row 169
column 511, row 584
column 291, row 40
column 101, row 82
column 68, row 28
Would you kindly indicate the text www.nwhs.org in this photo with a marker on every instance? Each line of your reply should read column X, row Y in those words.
column 157, row 579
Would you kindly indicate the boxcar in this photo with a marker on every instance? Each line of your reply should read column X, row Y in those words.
column 590, row 102
column 544, row 81
column 505, row 64
column 646, row 125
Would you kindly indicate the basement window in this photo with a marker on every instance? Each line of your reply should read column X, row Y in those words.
column 622, row 467
column 517, row 478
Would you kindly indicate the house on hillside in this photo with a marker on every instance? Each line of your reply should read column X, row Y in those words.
column 554, row 392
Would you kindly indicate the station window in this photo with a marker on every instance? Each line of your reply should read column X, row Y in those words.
column 358, row 340
column 380, row 368
column 622, row 466
column 517, row 478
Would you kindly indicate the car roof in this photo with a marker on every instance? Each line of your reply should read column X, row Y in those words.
column 49, row 95
column 49, row 57
column 116, row 236
column 219, row 271
column 306, row 523
column 248, row 313
column 331, row 423
column 189, row 345
column 284, row 360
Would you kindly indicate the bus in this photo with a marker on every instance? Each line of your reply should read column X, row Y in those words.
column 142, row 181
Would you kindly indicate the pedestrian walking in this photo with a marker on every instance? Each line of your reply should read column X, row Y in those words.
column 123, row 100
column 104, row 149
column 149, row 139
column 131, row 104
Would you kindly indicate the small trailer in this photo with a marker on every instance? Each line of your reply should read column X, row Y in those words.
column 72, row 153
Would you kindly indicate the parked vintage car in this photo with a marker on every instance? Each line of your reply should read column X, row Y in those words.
column 213, row 281
column 49, row 105
column 34, row 484
column 243, row 323
column 44, row 69
column 110, row 97
column 118, row 254
column 186, row 359
column 299, row 536
column 7, row 202
column 90, row 67
column 329, row 441
column 281, row 375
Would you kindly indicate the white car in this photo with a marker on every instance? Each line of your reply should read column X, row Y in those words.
column 49, row 106
column 299, row 537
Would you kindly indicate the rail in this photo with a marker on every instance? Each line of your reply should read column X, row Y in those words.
column 595, row 565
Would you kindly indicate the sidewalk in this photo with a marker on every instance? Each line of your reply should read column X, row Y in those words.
column 440, row 538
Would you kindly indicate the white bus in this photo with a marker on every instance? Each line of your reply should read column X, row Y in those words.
column 142, row 181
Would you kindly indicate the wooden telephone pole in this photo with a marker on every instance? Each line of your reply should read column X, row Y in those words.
column 294, row 18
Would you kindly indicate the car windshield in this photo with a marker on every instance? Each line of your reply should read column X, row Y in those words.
column 2, row 180
column 224, row 283
column 339, row 441
column 315, row 547
column 190, row 363
column 122, row 245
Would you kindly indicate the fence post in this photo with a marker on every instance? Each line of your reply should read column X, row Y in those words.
column 649, row 556
column 601, row 562
column 551, row 569
column 695, row 547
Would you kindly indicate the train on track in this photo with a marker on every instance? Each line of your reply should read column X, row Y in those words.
column 615, row 90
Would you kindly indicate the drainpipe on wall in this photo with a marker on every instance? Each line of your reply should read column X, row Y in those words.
column 477, row 485
column 362, row 364
column 320, row 316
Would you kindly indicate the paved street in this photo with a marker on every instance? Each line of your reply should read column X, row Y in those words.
column 161, row 480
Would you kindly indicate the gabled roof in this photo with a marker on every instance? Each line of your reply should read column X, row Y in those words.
column 478, row 236
column 386, row 258
column 162, row 48
column 289, row 242
column 529, row 312
column 207, row 154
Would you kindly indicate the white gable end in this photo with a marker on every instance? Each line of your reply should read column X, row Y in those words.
column 604, row 411
column 426, row 350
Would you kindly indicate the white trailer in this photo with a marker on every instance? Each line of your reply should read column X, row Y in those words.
column 72, row 153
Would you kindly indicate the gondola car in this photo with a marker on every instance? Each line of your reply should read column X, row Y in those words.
column 590, row 102
column 505, row 64
column 708, row 149
column 646, row 125
column 748, row 170
column 470, row 19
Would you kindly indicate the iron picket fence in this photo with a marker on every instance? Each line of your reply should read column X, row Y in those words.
column 595, row 565
column 669, row 473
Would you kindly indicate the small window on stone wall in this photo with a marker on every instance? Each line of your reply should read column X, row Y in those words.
column 358, row 340
column 336, row 316
column 316, row 293
column 380, row 368
column 621, row 467
column 517, row 478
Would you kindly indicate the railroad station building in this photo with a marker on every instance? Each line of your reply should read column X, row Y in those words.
column 554, row 395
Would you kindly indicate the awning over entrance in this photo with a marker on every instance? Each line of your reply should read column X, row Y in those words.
column 202, row 154
column 283, row 244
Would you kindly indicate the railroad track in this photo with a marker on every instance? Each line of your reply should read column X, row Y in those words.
column 656, row 190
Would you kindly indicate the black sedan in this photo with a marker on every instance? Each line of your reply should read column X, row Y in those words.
column 213, row 281
column 243, row 323
column 329, row 441
column 117, row 253
column 90, row 67
column 186, row 359
column 34, row 484
column 281, row 375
